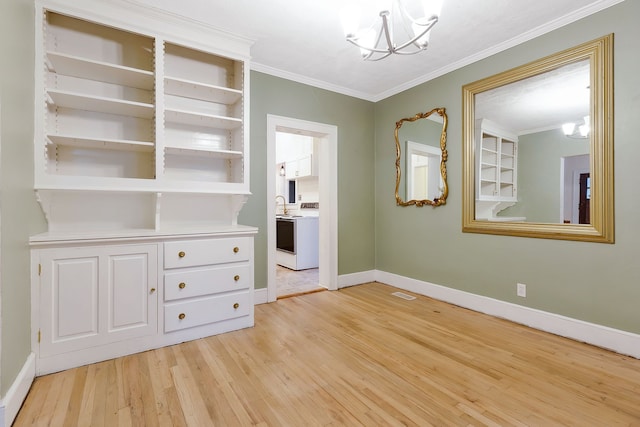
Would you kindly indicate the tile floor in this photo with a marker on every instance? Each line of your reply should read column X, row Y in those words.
column 291, row 282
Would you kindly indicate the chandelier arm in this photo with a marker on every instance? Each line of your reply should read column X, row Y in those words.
column 387, row 29
column 416, row 38
column 353, row 41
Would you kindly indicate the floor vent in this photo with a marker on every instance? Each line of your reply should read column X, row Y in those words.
column 403, row 296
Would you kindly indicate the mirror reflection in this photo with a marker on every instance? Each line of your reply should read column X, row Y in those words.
column 421, row 153
column 533, row 144
column 538, row 149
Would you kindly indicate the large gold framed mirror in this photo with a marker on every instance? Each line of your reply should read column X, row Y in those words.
column 538, row 148
column 421, row 146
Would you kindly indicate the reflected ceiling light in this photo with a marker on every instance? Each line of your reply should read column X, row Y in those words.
column 578, row 130
column 376, row 41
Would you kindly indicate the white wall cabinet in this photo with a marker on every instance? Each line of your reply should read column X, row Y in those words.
column 303, row 167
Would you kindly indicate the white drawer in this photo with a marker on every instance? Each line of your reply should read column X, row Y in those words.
column 188, row 314
column 204, row 281
column 192, row 253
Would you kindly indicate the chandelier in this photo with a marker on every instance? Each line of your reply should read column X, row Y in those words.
column 377, row 41
column 577, row 130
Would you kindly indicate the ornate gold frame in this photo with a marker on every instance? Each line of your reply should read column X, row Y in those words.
column 599, row 52
column 442, row 199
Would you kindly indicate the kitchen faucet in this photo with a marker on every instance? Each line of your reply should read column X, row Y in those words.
column 284, row 204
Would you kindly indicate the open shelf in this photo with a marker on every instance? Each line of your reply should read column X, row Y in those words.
column 102, row 143
column 76, row 66
column 101, row 104
column 204, row 151
column 197, row 90
column 199, row 119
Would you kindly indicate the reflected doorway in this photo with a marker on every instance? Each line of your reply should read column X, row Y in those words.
column 573, row 209
column 584, row 205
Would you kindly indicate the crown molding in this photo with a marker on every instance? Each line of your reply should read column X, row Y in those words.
column 320, row 84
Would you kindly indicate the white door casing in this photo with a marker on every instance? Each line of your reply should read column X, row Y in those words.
column 328, row 196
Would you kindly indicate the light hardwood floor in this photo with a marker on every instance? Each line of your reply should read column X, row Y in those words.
column 358, row 356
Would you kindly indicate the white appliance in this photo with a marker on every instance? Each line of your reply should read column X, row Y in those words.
column 297, row 242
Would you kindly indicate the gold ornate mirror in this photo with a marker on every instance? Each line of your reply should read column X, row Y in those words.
column 538, row 148
column 421, row 145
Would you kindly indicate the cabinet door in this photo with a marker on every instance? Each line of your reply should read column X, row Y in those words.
column 291, row 169
column 92, row 296
column 304, row 167
column 130, row 282
column 69, row 315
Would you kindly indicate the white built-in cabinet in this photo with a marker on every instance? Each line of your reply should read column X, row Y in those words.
column 140, row 154
column 497, row 149
column 96, row 295
column 497, row 168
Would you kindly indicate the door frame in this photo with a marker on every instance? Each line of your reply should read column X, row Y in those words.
column 328, row 197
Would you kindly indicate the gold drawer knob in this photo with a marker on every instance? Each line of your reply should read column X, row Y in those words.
column 181, row 316
column 182, row 285
column 236, row 305
column 236, row 277
column 236, row 250
column 181, row 254
column 153, row 290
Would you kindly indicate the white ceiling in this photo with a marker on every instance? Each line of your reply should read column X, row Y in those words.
column 302, row 40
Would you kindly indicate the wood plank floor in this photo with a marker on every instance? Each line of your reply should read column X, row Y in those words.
column 358, row 356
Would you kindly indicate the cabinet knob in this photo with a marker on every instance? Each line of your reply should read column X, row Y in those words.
column 152, row 290
column 181, row 254
column 182, row 285
column 236, row 305
column 236, row 277
column 181, row 316
column 236, row 250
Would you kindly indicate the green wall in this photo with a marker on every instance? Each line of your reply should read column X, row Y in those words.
column 539, row 180
column 354, row 119
column 595, row 282
column 21, row 215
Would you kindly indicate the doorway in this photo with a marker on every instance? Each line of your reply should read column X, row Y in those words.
column 326, row 138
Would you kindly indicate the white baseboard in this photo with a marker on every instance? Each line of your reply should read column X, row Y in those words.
column 346, row 280
column 602, row 336
column 12, row 401
column 260, row 296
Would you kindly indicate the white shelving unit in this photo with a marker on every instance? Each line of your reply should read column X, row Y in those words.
column 141, row 168
column 127, row 110
column 497, row 163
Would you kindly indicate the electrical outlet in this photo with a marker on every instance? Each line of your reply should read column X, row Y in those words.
column 521, row 290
